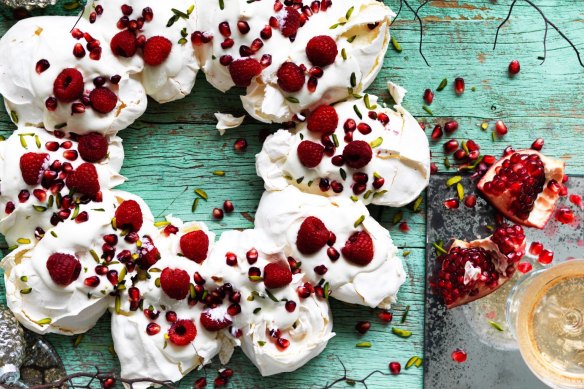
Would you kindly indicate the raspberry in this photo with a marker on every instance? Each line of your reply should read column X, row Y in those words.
column 195, row 245
column 322, row 50
column 129, row 216
column 357, row 154
column 182, row 332
column 310, row 153
column 32, row 166
column 290, row 22
column 277, row 275
column 63, row 268
column 359, row 249
column 175, row 283
column 312, row 235
column 243, row 70
column 215, row 319
column 324, row 119
column 68, row 85
column 156, row 50
column 93, row 147
column 103, row 100
column 290, row 77
column 84, row 180
column 124, row 44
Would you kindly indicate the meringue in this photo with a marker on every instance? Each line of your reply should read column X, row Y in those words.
column 175, row 77
column 226, row 121
column 280, row 215
column 25, row 90
column 35, row 212
column 308, row 328
column 359, row 28
column 401, row 156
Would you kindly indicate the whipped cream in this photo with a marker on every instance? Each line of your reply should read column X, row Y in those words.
column 308, row 328
column 363, row 47
column 401, row 156
column 226, row 121
column 25, row 91
column 175, row 77
column 35, row 212
column 280, row 215
column 143, row 355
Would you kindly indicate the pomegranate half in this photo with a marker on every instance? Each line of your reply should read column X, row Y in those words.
column 524, row 186
column 471, row 270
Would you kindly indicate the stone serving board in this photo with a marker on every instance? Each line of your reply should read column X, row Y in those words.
column 493, row 360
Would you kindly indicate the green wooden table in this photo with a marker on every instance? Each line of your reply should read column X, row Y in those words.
column 174, row 148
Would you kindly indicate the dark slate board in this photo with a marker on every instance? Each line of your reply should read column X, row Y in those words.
column 493, row 360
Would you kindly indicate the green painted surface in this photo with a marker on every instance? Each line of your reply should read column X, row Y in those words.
column 174, row 148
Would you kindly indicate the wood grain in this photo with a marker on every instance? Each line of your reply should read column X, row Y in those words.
column 174, row 149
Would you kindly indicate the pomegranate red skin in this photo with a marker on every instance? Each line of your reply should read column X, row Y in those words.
column 546, row 200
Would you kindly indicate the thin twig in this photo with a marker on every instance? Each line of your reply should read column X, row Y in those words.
column 350, row 381
column 548, row 23
column 101, row 377
column 416, row 16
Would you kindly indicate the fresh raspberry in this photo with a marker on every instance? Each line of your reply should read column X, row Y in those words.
column 175, row 283
column 290, row 22
column 63, row 268
column 290, row 77
column 243, row 70
column 156, row 50
column 93, row 147
column 322, row 50
column 310, row 153
column 68, row 85
column 32, row 166
column 84, row 180
column 103, row 100
column 357, row 154
column 124, row 44
column 182, row 332
column 277, row 275
column 129, row 216
column 324, row 119
column 312, row 235
column 148, row 254
column 359, row 249
column 195, row 245
column 215, row 319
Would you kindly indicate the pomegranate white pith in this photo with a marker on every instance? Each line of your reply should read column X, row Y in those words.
column 471, row 270
column 524, row 186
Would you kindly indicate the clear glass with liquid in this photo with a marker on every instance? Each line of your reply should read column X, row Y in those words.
column 545, row 311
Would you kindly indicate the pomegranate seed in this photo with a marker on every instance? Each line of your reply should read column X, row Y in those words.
column 201, row 383
column 234, row 309
column 470, row 200
column 500, row 127
column 77, row 108
column 451, row 203
column 51, row 104
column 228, row 206
column 243, row 26
column 171, row 316
column 385, row 316
column 147, row 14
column 459, row 85
column 231, row 259
column 240, row 144
column 312, row 84
column 362, row 327
column 42, row 65
column 225, row 60
column 266, row 32
column 546, row 257
column 554, row 186
column 428, row 96
column 565, row 215
column 282, row 343
column 577, row 200
column 403, row 227
column 256, row 45
column 450, row 146
column 78, row 50
column 82, row 217
column 514, row 67
column 23, row 196
column 324, row 184
column 108, row 383
column 332, row 253
column 290, row 306
column 563, row 191
column 266, row 60
column 378, row 182
column 508, row 151
column 92, row 281
column 450, row 126
column 254, row 272
column 338, row 160
column 220, row 382
column 227, row 43
column 433, row 168
column 303, row 292
column 537, row 144
column 9, row 207
column 489, row 160
column 350, row 125
column 524, row 267
column 152, row 329
column 460, row 154
column 77, row 33
column 437, row 132
column 383, row 118
column 226, row 373
column 217, row 213
column 320, row 270
column 565, row 178
column 472, row 146
column 115, row 79
column 127, row 10
column 364, row 128
column 70, row 155
column 224, row 29
column 394, row 368
column 458, row 355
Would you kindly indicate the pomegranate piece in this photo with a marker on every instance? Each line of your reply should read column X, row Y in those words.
column 518, row 185
column 459, row 86
column 458, row 355
column 471, row 270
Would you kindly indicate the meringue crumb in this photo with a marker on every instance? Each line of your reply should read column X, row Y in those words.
column 226, row 121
